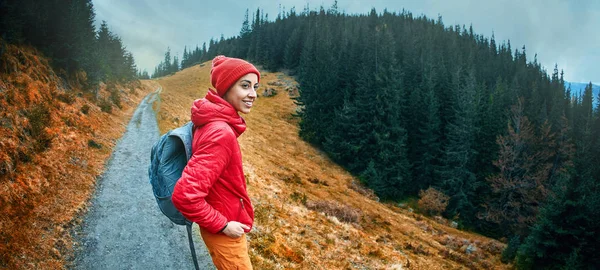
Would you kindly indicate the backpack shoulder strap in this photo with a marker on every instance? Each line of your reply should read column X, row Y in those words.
column 185, row 133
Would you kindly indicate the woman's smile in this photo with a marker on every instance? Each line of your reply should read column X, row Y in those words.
column 243, row 93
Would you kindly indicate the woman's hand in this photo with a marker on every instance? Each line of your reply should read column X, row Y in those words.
column 235, row 229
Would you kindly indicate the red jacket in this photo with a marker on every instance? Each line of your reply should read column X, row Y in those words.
column 212, row 188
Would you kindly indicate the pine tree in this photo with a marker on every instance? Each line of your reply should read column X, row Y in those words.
column 175, row 64
column 426, row 139
column 390, row 135
column 255, row 37
column 492, row 117
column 292, row 49
column 246, row 30
column 353, row 144
column 567, row 235
column 82, row 39
column 103, row 45
column 320, row 95
column 185, row 59
column 130, row 68
column 457, row 177
column 167, row 62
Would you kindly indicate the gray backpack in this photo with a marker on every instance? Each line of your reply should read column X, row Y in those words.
column 168, row 157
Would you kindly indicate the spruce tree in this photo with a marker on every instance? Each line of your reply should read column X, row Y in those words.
column 185, row 59
column 167, row 62
column 389, row 134
column 175, row 65
column 426, row 147
column 103, row 48
column 456, row 172
column 567, row 235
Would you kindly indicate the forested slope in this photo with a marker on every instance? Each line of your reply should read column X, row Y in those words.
column 406, row 103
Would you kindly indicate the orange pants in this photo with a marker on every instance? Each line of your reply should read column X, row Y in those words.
column 226, row 252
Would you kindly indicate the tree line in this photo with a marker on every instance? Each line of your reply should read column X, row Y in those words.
column 169, row 65
column 64, row 32
column 407, row 103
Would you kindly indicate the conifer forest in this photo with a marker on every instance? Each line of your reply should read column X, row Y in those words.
column 64, row 31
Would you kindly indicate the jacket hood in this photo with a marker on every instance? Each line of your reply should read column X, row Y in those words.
column 214, row 108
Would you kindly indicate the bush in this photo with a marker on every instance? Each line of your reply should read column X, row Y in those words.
column 94, row 144
column 362, row 190
column 291, row 179
column 105, row 105
column 341, row 212
column 39, row 119
column 299, row 197
column 316, row 181
column 85, row 109
column 432, row 201
column 115, row 97
column 68, row 98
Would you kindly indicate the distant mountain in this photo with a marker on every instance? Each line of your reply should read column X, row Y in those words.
column 577, row 88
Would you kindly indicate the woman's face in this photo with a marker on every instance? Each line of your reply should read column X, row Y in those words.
column 243, row 93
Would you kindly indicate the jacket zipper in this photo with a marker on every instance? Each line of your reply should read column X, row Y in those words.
column 242, row 204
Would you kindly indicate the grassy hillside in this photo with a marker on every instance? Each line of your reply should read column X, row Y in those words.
column 55, row 142
column 310, row 213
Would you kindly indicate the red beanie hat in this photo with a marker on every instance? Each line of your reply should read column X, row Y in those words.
column 226, row 71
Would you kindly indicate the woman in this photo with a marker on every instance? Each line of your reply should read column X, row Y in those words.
column 212, row 189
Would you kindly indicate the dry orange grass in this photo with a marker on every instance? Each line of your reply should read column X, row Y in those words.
column 48, row 173
column 286, row 175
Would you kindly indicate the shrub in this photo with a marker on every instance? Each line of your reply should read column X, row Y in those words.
column 343, row 213
column 105, row 105
column 299, row 197
column 432, row 201
column 269, row 92
column 416, row 249
column 291, row 179
column 115, row 97
column 493, row 247
column 94, row 144
column 69, row 121
column 85, row 109
column 263, row 212
column 362, row 190
column 39, row 119
column 68, row 98
column 316, row 181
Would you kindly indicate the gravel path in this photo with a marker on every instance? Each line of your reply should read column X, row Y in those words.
column 124, row 229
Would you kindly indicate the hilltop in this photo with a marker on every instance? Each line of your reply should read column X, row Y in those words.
column 310, row 212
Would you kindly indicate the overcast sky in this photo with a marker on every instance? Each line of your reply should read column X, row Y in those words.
column 561, row 32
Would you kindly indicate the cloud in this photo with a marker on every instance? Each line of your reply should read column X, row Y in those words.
column 561, row 32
